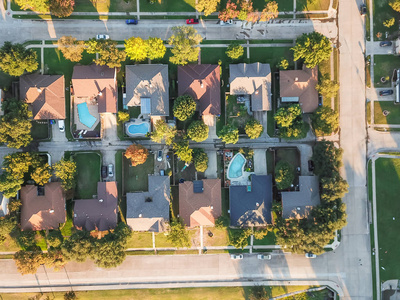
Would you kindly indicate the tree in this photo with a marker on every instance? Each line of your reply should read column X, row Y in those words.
column 207, row 6
column 239, row 239
column 313, row 48
column 327, row 87
column 198, row 131
column 70, row 296
column 184, row 42
column 123, row 116
column 28, row 261
column 258, row 292
column 290, row 122
column 325, row 121
column 54, row 238
column 246, row 7
column 183, row 151
column 137, row 154
column 333, row 188
column 7, row 224
column 269, row 12
column 62, row 8
column 284, row 175
column 200, row 159
column 71, row 48
column 389, row 22
column 78, row 247
column 15, row 59
column 177, row 234
column 34, row 5
column 136, row 49
column 234, row 51
column 54, row 259
column 108, row 52
column 163, row 132
column 230, row 12
column 156, row 48
column 284, row 64
column 41, row 174
column 184, row 107
column 327, row 159
column 66, row 171
column 395, row 4
column 253, row 129
column 14, row 205
column 229, row 134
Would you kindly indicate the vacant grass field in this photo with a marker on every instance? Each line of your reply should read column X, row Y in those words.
column 140, row 240
column 394, row 112
column 168, row 5
column 88, row 174
column 382, row 12
column 135, row 178
column 384, row 66
column 303, row 5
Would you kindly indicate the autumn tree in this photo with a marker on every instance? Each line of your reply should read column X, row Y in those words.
column 184, row 107
column 269, row 12
column 283, row 64
column 235, row 51
column 290, row 122
column 389, row 22
column 313, row 48
column 325, row 121
column 163, row 132
column 185, row 45
column 183, row 151
column 28, row 262
column 136, row 49
column 62, row 8
column 15, row 167
column 34, row 5
column 15, row 59
column 41, row 173
column 156, row 48
column 198, row 131
column 207, row 6
column 123, row 116
column 108, row 52
column 246, row 7
column 327, row 88
column 71, row 48
column 395, row 5
column 229, row 134
column 54, row 238
column 253, row 129
column 230, row 12
column 137, row 154
column 284, row 175
column 66, row 171
column 200, row 159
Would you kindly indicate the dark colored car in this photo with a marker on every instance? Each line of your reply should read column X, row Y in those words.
column 192, row 21
column 386, row 93
column 103, row 172
column 310, row 165
column 131, row 21
column 385, row 44
column 363, row 9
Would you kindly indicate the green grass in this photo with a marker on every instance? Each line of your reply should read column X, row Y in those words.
column 40, row 130
column 88, row 174
column 303, row 5
column 220, row 237
column 135, row 178
column 292, row 156
column 387, row 191
column 369, row 112
column 41, row 240
column 140, row 240
column 384, row 67
column 236, row 113
column 392, row 118
column 9, row 245
column 168, row 6
column 382, row 12
column 269, row 239
column 162, row 241
column 272, row 56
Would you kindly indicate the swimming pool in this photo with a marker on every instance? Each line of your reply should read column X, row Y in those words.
column 84, row 115
column 235, row 168
column 137, row 129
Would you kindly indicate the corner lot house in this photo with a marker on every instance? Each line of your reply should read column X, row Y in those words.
column 200, row 202
column 43, row 207
column 250, row 205
column 148, row 211
column 99, row 213
column 45, row 95
column 298, row 86
column 299, row 204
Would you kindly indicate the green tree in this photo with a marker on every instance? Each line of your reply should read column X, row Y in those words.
column 327, row 87
column 239, row 238
column 253, row 129
column 34, row 5
column 230, row 12
column 62, row 8
column 395, row 4
column 41, row 174
column 258, row 292
column 54, row 238
column 7, row 224
column 183, row 151
column 163, row 132
column 66, row 171
column 108, row 52
column 28, row 261
column 284, row 64
column 78, row 246
column 184, row 42
column 325, row 121
column 229, row 134
column 184, row 107
column 14, row 205
column 284, row 175
column 15, row 59
column 198, row 131
column 327, row 159
column 235, row 51
column 71, row 48
column 200, row 159
column 333, row 188
column 207, row 6
column 389, row 22
column 123, row 116
column 290, row 122
column 136, row 49
column 26, row 240
column 313, row 48
column 177, row 234
column 54, row 259
column 156, row 48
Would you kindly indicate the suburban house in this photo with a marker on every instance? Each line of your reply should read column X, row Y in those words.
column 148, row 211
column 43, row 207
column 95, row 92
column 202, row 83
column 147, row 87
column 45, row 95
column 298, row 86
column 200, row 202
column 250, row 205
column 298, row 204
column 252, row 84
column 99, row 213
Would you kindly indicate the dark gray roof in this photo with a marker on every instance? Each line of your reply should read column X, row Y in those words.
column 148, row 215
column 298, row 204
column 254, row 207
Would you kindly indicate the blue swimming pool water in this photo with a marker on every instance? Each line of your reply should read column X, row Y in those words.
column 142, row 128
column 84, row 115
column 236, row 165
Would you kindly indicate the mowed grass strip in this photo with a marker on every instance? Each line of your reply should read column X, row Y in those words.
column 88, row 174
column 394, row 112
column 168, row 6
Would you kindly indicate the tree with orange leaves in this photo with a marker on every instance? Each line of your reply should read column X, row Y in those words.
column 230, row 12
column 269, row 12
column 137, row 154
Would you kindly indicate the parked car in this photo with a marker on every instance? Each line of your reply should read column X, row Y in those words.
column 310, row 166
column 310, row 255
column 386, row 93
column 104, row 172
column 131, row 21
column 385, row 44
column 192, row 21
column 236, row 256
column 110, row 170
column 159, row 155
column 229, row 22
column 102, row 37
column 262, row 256
column 61, row 125
column 363, row 9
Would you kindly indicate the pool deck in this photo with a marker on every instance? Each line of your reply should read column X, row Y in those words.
column 93, row 110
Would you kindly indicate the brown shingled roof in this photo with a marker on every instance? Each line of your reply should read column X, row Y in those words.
column 42, row 212
column 200, row 208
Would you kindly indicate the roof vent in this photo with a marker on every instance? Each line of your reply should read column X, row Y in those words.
column 257, row 92
column 140, row 215
column 100, row 93
column 39, row 90
column 212, row 207
column 102, row 74
column 201, row 84
column 101, row 200
column 51, row 211
column 257, row 204
column 150, row 85
column 148, row 199
column 74, row 215
column 296, row 79
column 298, row 208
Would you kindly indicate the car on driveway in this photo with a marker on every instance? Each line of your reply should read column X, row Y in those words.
column 385, row 44
column 102, row 37
column 110, row 170
column 192, row 21
column 386, row 93
column 363, row 9
column 236, row 256
column 262, row 256
column 104, row 172
column 310, row 166
column 131, row 21
column 61, row 125
column 310, row 255
column 159, row 155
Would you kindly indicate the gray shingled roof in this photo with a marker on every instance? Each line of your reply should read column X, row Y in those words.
column 252, row 79
column 149, row 216
column 251, row 208
column 149, row 81
column 298, row 204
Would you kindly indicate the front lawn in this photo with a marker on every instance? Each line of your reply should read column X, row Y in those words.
column 105, row 6
column 135, row 178
column 303, row 5
column 384, row 67
column 269, row 239
column 168, row 6
column 140, row 240
column 382, row 12
column 162, row 241
column 88, row 174
column 40, row 130
column 220, row 237
column 394, row 112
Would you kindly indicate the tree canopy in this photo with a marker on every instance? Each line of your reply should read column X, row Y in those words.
column 15, row 167
column 327, row 159
column 395, row 5
column 284, row 175
column 62, row 8
column 156, row 48
column 15, row 59
column 270, row 11
column 230, row 12
column 313, row 48
column 234, row 51
column 177, row 234
column 108, row 52
column 66, row 171
column 71, row 48
column 290, row 122
column 163, row 132
column 229, row 134
column 253, row 129
column 207, row 6
column 198, row 131
column 184, row 107
column 183, row 151
column 41, row 173
column 327, row 87
column 136, row 49
column 200, row 159
column 325, row 121
column 35, row 5
column 137, row 154
column 184, row 42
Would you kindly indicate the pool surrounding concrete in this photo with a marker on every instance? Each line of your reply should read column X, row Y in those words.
column 137, row 127
column 236, row 173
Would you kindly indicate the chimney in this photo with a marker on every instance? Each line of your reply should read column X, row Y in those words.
column 212, row 207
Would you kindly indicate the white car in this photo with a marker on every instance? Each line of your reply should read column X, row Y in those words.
column 262, row 256
column 61, row 125
column 102, row 37
column 310, row 255
column 110, row 170
column 236, row 256
column 229, row 22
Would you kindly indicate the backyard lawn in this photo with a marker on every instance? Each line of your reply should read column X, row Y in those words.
column 168, row 5
column 236, row 113
column 140, row 240
column 88, row 174
column 292, row 156
column 382, row 12
column 40, row 130
column 394, row 112
column 272, row 56
column 384, row 66
column 135, row 178
column 220, row 237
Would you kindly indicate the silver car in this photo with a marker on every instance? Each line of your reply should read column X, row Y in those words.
column 262, row 256
column 236, row 256
column 102, row 37
column 110, row 170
